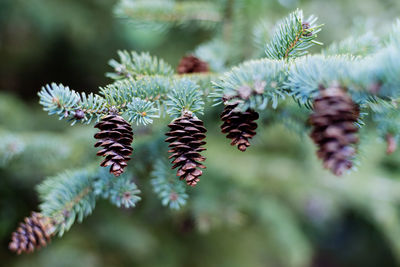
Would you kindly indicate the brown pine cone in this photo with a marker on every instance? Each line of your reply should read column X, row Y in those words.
column 185, row 138
column 334, row 130
column 239, row 126
column 32, row 234
column 116, row 138
column 192, row 64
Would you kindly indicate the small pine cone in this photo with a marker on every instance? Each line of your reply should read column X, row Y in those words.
column 116, row 138
column 185, row 138
column 240, row 126
column 34, row 232
column 334, row 130
column 192, row 64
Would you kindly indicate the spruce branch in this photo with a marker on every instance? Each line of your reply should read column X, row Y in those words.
column 141, row 111
column 170, row 190
column 203, row 80
column 135, row 64
column 363, row 45
column 71, row 195
column 186, row 97
column 310, row 72
column 293, row 36
column 252, row 84
column 67, row 197
column 378, row 75
column 121, row 192
column 145, row 85
column 149, row 88
column 67, row 103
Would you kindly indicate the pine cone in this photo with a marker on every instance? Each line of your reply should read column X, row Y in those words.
column 185, row 138
column 116, row 138
column 334, row 129
column 192, row 64
column 33, row 233
column 240, row 126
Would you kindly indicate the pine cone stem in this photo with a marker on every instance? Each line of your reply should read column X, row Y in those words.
column 116, row 138
column 334, row 130
column 186, row 142
column 239, row 126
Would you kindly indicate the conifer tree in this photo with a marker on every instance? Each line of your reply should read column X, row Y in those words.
column 336, row 91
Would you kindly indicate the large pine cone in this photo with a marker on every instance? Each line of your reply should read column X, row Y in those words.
column 185, row 138
column 334, row 129
column 192, row 64
column 239, row 126
column 116, row 138
column 33, row 233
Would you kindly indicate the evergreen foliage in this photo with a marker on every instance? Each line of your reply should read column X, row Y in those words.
column 133, row 64
column 146, row 88
column 71, row 195
column 293, row 36
column 170, row 190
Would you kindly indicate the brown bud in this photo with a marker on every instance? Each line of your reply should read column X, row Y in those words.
column 79, row 114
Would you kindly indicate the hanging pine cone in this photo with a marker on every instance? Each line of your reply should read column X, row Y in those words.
column 185, row 138
column 240, row 126
column 334, row 130
column 116, row 138
column 33, row 233
column 192, row 64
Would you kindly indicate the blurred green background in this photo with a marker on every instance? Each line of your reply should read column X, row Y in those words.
column 271, row 206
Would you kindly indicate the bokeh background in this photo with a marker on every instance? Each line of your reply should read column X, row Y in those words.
column 270, row 206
